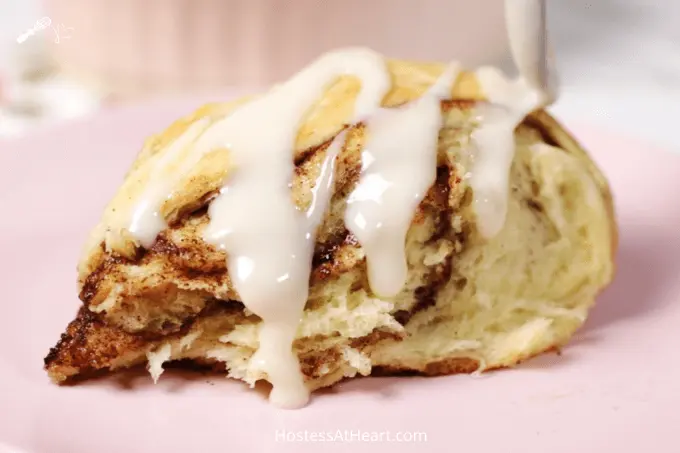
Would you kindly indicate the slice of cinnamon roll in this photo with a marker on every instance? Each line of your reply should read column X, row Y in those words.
column 367, row 216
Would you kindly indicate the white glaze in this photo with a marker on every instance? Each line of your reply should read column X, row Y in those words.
column 509, row 102
column 494, row 145
column 279, row 113
column 399, row 165
column 146, row 221
column 270, row 245
column 269, row 242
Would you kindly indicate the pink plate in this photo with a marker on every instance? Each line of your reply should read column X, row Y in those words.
column 616, row 388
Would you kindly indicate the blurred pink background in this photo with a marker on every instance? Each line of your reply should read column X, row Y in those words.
column 142, row 48
column 617, row 59
column 94, row 53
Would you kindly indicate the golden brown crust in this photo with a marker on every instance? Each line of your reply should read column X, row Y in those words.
column 88, row 346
